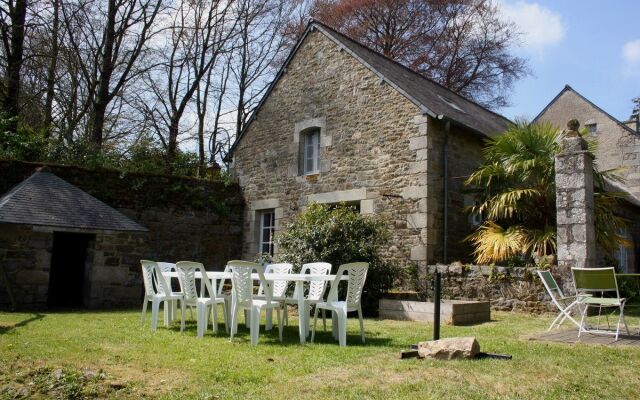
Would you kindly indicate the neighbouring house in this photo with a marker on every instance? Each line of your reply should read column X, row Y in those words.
column 618, row 147
column 343, row 123
column 74, row 237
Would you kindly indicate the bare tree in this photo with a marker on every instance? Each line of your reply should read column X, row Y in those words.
column 12, row 32
column 108, row 40
column 198, row 34
column 260, row 45
column 52, row 67
column 462, row 44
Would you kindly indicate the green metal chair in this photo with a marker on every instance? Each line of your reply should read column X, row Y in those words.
column 591, row 281
column 564, row 303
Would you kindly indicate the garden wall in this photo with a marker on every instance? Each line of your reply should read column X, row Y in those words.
column 187, row 219
column 507, row 288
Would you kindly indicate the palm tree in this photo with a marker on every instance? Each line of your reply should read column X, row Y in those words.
column 517, row 196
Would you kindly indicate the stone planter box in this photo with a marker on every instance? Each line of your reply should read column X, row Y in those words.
column 453, row 312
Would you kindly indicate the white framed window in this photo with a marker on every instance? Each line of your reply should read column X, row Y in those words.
column 311, row 156
column 622, row 255
column 593, row 129
column 267, row 228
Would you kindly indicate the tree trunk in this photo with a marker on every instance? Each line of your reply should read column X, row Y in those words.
column 51, row 71
column 14, row 63
column 106, row 70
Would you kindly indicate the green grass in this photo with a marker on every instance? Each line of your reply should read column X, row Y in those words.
column 108, row 354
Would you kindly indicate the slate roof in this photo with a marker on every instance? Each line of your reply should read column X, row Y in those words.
column 46, row 200
column 435, row 98
column 430, row 97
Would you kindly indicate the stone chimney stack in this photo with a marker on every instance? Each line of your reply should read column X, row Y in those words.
column 574, row 201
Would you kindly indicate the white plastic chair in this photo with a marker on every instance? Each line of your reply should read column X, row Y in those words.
column 172, row 306
column 151, row 273
column 315, row 294
column 357, row 275
column 207, row 297
column 243, row 298
column 226, row 295
column 279, row 288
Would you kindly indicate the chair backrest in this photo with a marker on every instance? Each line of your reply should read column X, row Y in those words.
column 243, row 283
column 595, row 280
column 316, row 288
column 550, row 284
column 227, row 268
column 357, row 272
column 279, row 288
column 152, row 273
column 147, row 277
column 166, row 267
column 187, row 271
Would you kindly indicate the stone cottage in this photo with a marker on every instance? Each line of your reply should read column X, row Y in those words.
column 343, row 123
column 618, row 148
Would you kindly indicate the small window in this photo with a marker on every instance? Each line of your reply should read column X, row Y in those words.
column 622, row 255
column 593, row 129
column 311, row 156
column 267, row 227
column 476, row 218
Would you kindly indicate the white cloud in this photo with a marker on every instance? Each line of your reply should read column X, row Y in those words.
column 631, row 56
column 541, row 27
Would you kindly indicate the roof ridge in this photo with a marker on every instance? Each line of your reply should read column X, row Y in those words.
column 334, row 30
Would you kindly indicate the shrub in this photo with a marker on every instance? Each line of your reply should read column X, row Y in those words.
column 339, row 235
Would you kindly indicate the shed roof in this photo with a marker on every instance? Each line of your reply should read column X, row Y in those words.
column 44, row 199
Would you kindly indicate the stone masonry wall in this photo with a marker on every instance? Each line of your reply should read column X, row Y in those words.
column 188, row 219
column 507, row 288
column 373, row 148
column 617, row 146
column 377, row 149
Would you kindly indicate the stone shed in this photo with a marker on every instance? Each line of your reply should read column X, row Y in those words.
column 55, row 235
column 77, row 242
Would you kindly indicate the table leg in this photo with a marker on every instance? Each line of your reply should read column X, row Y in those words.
column 302, row 312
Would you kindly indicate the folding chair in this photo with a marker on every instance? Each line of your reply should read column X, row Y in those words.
column 564, row 303
column 594, row 280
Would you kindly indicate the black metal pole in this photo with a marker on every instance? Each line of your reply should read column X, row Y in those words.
column 436, row 306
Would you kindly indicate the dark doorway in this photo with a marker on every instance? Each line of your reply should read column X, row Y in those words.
column 67, row 274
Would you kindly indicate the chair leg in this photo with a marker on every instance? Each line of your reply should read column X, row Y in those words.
column 155, row 309
column 214, row 317
column 182, row 312
column 268, row 324
column 361, row 323
column 334, row 324
column 280, row 324
column 254, row 315
column 324, row 320
column 581, row 329
column 315, row 321
column 144, row 311
column 201, row 315
column 556, row 321
column 234, row 322
column 285, row 314
column 341, row 317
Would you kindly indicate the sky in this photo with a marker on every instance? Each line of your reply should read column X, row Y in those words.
column 593, row 46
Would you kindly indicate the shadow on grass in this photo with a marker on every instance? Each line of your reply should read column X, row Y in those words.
column 290, row 335
column 7, row 328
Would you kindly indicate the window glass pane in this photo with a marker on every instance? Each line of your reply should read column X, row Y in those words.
column 267, row 225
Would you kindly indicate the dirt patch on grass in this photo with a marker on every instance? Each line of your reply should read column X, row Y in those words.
column 39, row 380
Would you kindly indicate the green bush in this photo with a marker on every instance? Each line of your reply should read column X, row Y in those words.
column 339, row 235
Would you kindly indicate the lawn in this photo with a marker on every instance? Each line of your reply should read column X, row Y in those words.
column 108, row 354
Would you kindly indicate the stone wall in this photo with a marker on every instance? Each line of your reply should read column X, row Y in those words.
column 507, row 288
column 188, row 219
column 377, row 150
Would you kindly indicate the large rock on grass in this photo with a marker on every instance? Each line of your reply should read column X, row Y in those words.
column 449, row 349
